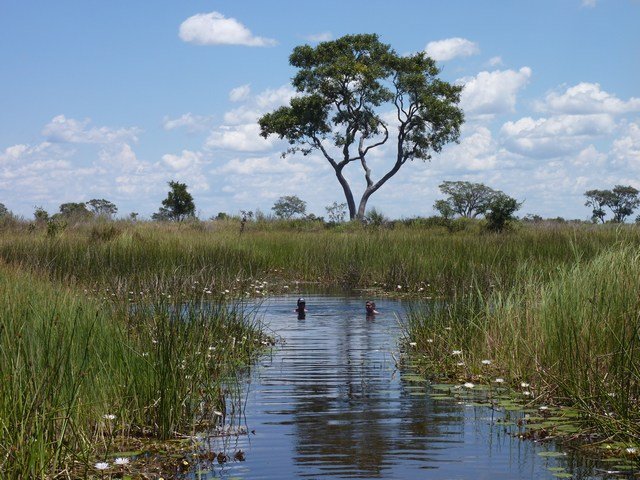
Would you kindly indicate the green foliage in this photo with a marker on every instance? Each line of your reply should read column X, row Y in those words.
column 465, row 199
column 375, row 218
column 75, row 212
column 500, row 212
column 621, row 201
column 345, row 86
column 4, row 210
column 289, row 206
column 178, row 205
column 102, row 208
column 40, row 215
column 336, row 212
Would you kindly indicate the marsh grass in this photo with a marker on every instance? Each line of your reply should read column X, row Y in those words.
column 574, row 339
column 77, row 371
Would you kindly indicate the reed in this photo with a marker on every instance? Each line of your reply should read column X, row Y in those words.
column 575, row 339
column 77, row 371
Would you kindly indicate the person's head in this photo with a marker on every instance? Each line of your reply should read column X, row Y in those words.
column 301, row 303
column 370, row 307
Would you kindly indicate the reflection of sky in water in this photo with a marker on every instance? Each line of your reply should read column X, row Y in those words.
column 330, row 403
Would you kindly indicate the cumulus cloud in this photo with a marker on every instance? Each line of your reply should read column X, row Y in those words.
column 491, row 93
column 626, row 149
column 68, row 130
column 189, row 121
column 548, row 137
column 443, row 50
column 15, row 153
column 495, row 61
column 262, row 165
column 589, row 3
column 183, row 161
column 585, row 98
column 319, row 37
column 216, row 29
column 240, row 93
column 243, row 138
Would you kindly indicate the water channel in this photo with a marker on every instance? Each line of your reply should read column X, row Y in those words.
column 331, row 403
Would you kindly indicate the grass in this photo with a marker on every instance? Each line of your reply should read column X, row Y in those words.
column 77, row 371
column 141, row 320
column 575, row 338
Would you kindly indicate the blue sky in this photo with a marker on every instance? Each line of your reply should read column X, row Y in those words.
column 114, row 99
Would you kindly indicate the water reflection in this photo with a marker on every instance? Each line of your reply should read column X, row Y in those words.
column 331, row 403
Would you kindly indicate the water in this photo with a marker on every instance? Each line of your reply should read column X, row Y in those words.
column 331, row 403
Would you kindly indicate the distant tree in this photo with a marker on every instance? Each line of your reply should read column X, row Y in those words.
column 133, row 216
column 76, row 211
column 445, row 208
column 625, row 201
column 40, row 215
column 500, row 212
column 597, row 200
column 221, row 216
column 346, row 88
column 336, row 212
column 465, row 198
column 622, row 200
column 3, row 210
column 102, row 208
column 289, row 206
column 178, row 205
column 375, row 218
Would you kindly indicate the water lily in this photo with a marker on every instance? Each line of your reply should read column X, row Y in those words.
column 543, row 407
column 486, row 362
column 101, row 466
column 413, row 344
column 526, row 393
column 109, row 416
column 460, row 364
column 121, row 461
column 499, row 380
column 524, row 384
column 456, row 352
column 631, row 450
column 429, row 340
column 469, row 385
column 217, row 413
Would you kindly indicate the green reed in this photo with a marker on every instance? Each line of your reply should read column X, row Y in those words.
column 574, row 338
column 78, row 371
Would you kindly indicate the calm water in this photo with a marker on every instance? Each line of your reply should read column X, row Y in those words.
column 330, row 403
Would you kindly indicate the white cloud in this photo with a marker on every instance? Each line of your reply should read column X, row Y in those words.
column 589, row 3
column 589, row 157
column 243, row 138
column 319, row 37
column 264, row 165
column 216, row 29
column 548, row 137
column 491, row 93
column 626, row 149
column 193, row 123
column 240, row 93
column 272, row 98
column 495, row 61
column 68, row 130
column 18, row 152
column 443, row 50
column 183, row 161
column 585, row 98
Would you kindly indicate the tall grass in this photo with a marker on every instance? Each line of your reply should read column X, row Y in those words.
column 575, row 338
column 77, row 371
column 434, row 260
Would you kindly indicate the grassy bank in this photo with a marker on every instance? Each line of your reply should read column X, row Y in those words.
column 78, row 372
column 430, row 261
column 572, row 340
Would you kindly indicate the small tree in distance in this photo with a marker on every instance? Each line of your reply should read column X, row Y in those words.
column 465, row 199
column 622, row 200
column 289, row 206
column 102, row 208
column 336, row 212
column 500, row 212
column 178, row 205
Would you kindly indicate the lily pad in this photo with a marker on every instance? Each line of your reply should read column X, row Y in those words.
column 551, row 454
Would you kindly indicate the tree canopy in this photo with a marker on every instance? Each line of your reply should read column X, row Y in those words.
column 465, row 199
column 355, row 94
column 622, row 200
column 289, row 206
column 178, row 205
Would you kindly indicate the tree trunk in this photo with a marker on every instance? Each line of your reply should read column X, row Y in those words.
column 348, row 195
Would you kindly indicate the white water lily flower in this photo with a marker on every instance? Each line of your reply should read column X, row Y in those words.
column 429, row 340
column 631, row 450
column 543, row 407
column 524, row 384
column 101, row 466
column 486, row 362
column 413, row 344
column 469, row 385
column 109, row 416
column 499, row 380
column 121, row 461
column 456, row 352
column 460, row 364
column 217, row 413
column 526, row 393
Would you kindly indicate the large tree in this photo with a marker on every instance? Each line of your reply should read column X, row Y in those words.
column 465, row 198
column 102, row 208
column 289, row 206
column 178, row 205
column 357, row 94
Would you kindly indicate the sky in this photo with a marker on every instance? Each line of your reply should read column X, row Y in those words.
column 113, row 99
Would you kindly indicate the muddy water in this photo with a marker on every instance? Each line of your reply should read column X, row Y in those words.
column 331, row 403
